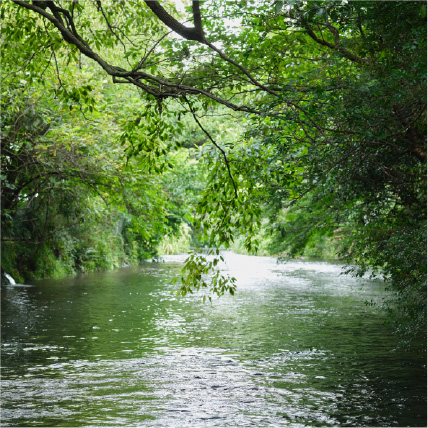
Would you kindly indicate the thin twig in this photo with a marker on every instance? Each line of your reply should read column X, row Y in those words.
column 226, row 160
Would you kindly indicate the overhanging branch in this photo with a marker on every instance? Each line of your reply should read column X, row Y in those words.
column 335, row 46
column 156, row 86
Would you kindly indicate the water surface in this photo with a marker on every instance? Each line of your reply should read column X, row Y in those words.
column 296, row 346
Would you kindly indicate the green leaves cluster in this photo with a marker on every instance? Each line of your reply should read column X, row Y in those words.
column 202, row 272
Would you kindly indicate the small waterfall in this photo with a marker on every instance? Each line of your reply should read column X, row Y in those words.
column 7, row 279
column 11, row 280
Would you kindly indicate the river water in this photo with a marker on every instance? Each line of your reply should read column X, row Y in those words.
column 296, row 346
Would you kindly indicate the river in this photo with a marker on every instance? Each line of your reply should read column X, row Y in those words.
column 296, row 346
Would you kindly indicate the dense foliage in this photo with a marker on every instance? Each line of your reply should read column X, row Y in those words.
column 74, row 199
column 308, row 120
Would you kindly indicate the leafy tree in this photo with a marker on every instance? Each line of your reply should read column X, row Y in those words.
column 362, row 149
column 66, row 206
column 73, row 197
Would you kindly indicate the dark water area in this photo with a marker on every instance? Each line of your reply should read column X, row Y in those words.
column 296, row 346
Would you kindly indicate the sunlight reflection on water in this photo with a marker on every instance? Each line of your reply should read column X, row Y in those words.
column 296, row 346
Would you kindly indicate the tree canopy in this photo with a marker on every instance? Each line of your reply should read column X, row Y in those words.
column 309, row 118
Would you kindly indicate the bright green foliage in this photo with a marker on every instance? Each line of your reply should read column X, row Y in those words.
column 67, row 207
column 75, row 197
column 201, row 272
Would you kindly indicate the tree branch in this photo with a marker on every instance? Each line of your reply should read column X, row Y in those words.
column 231, row 61
column 174, row 90
column 347, row 54
column 197, row 34
column 226, row 160
column 171, row 22
column 197, row 21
